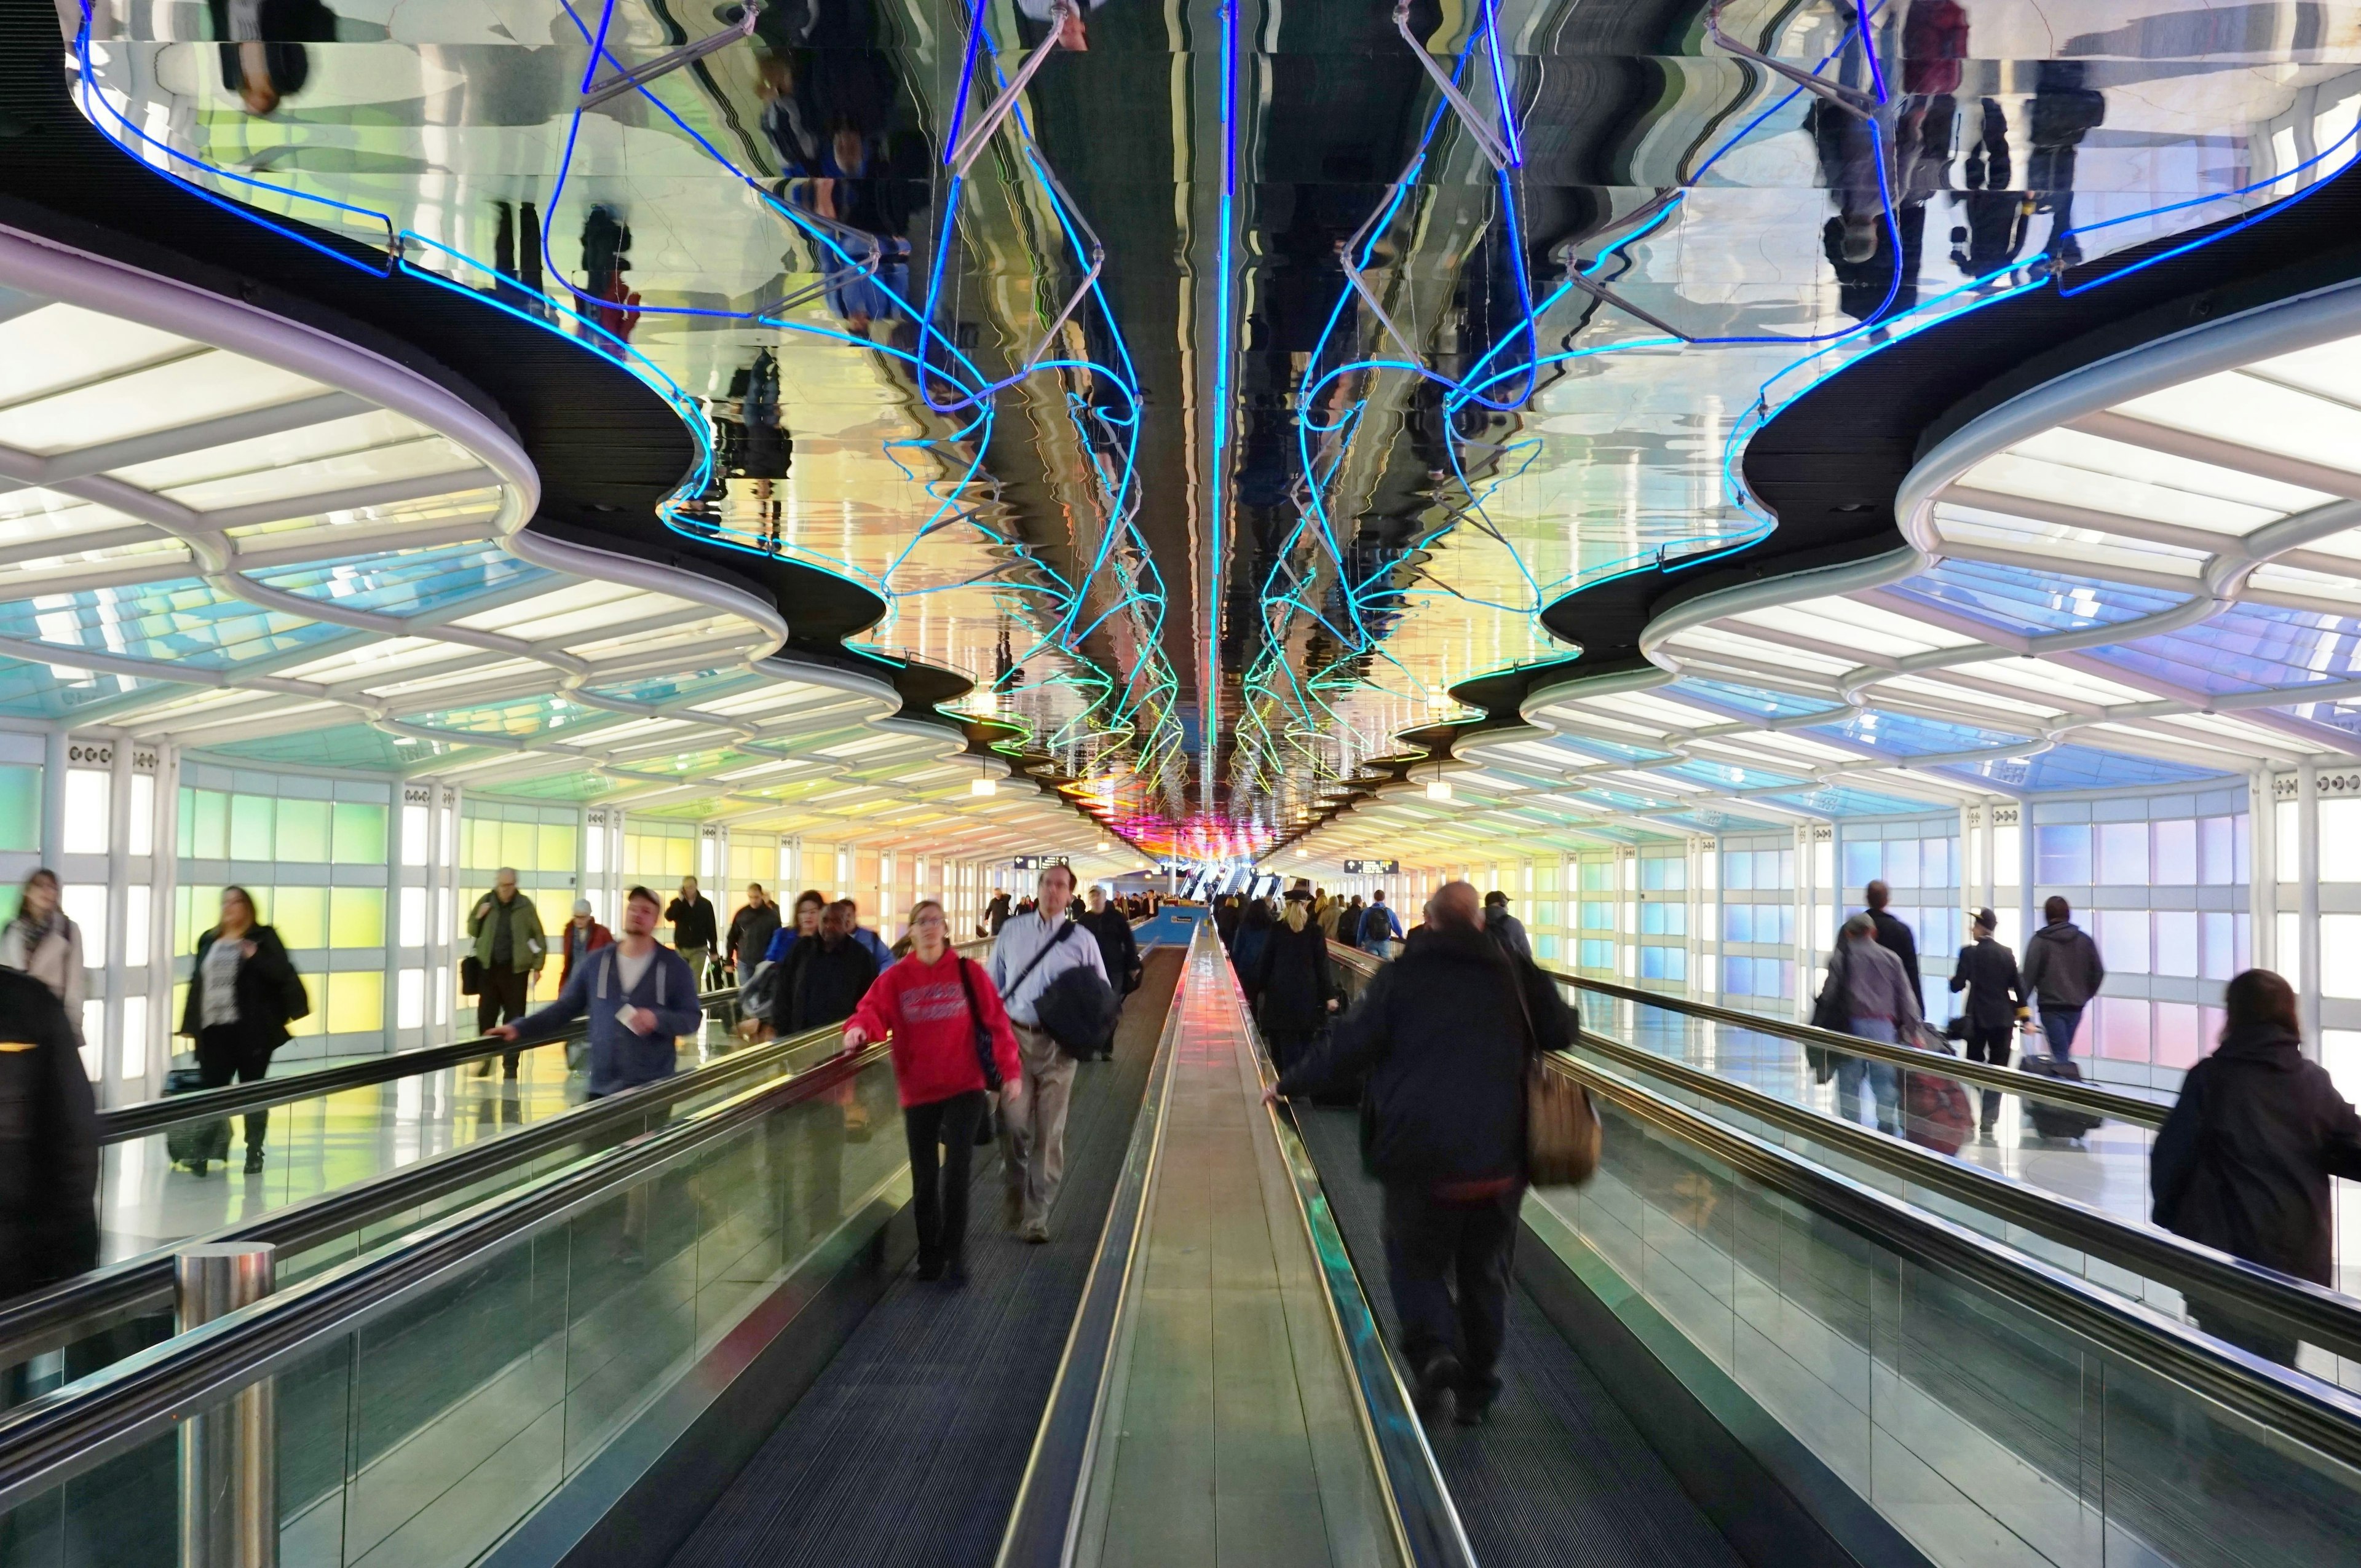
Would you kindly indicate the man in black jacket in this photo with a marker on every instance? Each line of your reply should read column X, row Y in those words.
column 1895, row 937
column 1987, row 972
column 48, row 1142
column 695, row 929
column 1445, row 1033
column 1294, row 983
column 1119, row 952
column 2243, row 1162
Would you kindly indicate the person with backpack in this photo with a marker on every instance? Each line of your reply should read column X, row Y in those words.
column 243, row 993
column 1378, row 926
column 1445, row 1034
column 1504, row 927
column 953, row 1047
column 1987, row 972
column 1032, row 952
column 2243, row 1159
column 2062, row 972
column 1869, row 996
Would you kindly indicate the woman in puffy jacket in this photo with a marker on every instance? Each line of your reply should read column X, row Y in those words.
column 953, row 1047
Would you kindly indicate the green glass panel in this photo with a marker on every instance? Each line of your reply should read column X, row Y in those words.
column 356, row 1000
column 303, row 831
column 249, row 826
column 517, row 846
column 20, row 808
column 302, row 915
column 360, row 834
column 556, row 851
column 184, row 932
column 204, row 908
column 483, row 843
column 212, row 826
column 357, row 917
column 185, row 824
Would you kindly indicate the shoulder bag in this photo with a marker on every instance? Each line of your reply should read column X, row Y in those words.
column 1562, row 1135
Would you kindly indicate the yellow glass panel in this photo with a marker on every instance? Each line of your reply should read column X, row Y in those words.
column 179, row 1009
column 303, row 830
column 356, row 916
column 300, row 914
column 356, row 1001
column 316, row 1023
column 556, row 906
column 517, row 845
column 680, row 857
column 184, row 930
column 557, row 851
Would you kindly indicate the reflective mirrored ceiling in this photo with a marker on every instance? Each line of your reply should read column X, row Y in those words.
column 1218, row 388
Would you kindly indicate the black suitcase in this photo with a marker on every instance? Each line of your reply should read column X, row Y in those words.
column 194, row 1143
column 2050, row 1119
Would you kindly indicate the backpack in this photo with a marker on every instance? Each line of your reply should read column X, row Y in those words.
column 1375, row 926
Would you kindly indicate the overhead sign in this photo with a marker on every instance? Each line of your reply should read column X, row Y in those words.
column 1039, row 862
column 1373, row 868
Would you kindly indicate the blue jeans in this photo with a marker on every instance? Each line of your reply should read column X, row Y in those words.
column 1885, row 1081
column 2058, row 1026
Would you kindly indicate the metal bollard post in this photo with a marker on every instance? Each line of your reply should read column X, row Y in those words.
column 229, row 1452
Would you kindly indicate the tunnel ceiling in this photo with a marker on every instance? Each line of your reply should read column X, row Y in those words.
column 1252, row 409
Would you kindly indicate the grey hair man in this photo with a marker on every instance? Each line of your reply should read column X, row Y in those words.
column 1031, row 952
column 1867, row 995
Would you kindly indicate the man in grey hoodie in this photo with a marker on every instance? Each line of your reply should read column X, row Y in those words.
column 2061, row 974
column 1880, row 1002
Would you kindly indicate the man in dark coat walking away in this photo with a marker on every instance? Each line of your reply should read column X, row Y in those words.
column 48, row 1142
column 1504, row 927
column 2062, row 972
column 1119, row 950
column 1895, row 937
column 1445, row 1033
column 1987, row 972
column 1294, row 983
column 2243, row 1160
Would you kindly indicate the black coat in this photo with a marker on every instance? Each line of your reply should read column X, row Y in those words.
column 269, row 992
column 693, row 923
column 2243, row 1161
column 822, row 984
column 1293, row 980
column 48, row 1142
column 1896, row 939
column 1118, row 949
column 1987, row 972
column 751, row 931
column 1441, row 1035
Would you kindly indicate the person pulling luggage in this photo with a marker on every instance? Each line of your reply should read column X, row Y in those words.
column 1987, row 972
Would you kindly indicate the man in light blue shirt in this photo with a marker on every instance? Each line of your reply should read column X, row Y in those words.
column 1378, row 926
column 1031, row 952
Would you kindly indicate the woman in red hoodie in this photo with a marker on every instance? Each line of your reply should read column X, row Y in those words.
column 952, row 1047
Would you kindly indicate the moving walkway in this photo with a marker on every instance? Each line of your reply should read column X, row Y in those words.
column 703, row 1346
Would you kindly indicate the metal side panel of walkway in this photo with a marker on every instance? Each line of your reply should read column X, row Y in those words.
column 910, row 1445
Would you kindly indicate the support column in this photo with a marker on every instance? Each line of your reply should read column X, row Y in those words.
column 2307, row 922
column 2025, row 899
column 53, row 798
column 119, row 940
column 2262, row 870
column 163, row 897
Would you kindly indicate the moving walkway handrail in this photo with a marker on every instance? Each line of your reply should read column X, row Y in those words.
column 91, row 1302
column 2106, row 1102
column 2319, row 1414
column 2312, row 1312
column 71, row 1430
column 147, row 1116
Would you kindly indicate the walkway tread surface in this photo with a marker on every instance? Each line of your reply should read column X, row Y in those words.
column 910, row 1446
column 1559, row 1475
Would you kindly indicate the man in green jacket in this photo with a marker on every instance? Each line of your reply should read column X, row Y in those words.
column 510, row 951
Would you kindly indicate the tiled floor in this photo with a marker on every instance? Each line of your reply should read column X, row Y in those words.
column 1237, row 1440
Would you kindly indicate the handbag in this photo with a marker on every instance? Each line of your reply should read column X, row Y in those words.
column 471, row 976
column 1563, row 1132
column 987, row 1131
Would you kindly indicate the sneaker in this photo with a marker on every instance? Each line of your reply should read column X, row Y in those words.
column 1437, row 1392
column 253, row 1162
column 1036, row 1230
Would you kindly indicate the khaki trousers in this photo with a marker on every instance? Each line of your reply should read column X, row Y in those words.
column 1033, row 1134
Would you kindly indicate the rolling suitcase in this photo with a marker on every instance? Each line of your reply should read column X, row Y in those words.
column 2051, row 1120
column 194, row 1143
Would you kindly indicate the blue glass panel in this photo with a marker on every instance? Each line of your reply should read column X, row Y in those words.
column 1727, row 775
column 42, row 691
column 1753, row 702
column 346, row 746
column 2248, row 648
column 1609, row 750
column 184, row 621
column 1843, row 800
column 1908, row 735
column 2077, row 767
column 1707, row 820
column 410, row 582
column 522, row 718
column 694, row 687
column 2030, row 602
column 1615, row 799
